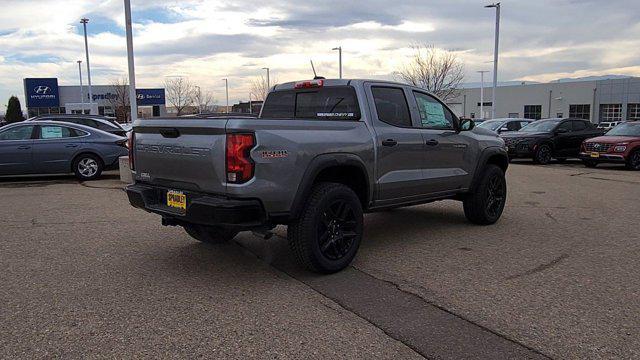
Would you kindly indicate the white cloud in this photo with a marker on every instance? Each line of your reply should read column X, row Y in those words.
column 209, row 40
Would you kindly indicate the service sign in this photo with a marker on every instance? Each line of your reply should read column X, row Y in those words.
column 148, row 97
column 41, row 92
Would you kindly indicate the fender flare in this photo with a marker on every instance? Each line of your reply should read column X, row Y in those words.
column 484, row 159
column 314, row 168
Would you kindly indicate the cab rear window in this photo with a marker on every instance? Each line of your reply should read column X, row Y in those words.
column 331, row 103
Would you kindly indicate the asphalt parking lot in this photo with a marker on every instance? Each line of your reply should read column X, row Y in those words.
column 83, row 274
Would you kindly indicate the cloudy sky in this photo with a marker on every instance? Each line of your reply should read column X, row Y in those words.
column 207, row 40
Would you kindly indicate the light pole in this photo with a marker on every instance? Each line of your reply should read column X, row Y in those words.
column 250, row 107
column 226, row 87
column 84, row 22
column 495, row 58
column 339, row 48
column 268, row 81
column 132, row 75
column 482, row 92
column 199, row 99
column 81, row 90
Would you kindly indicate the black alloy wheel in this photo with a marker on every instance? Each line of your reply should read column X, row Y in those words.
column 496, row 195
column 543, row 155
column 337, row 230
column 634, row 160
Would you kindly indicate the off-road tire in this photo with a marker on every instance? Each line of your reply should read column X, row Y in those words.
column 306, row 233
column 476, row 204
column 210, row 234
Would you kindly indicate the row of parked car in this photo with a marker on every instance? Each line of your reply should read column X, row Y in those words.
column 59, row 144
column 562, row 138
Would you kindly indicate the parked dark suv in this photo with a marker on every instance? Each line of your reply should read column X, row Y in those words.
column 546, row 139
column 99, row 122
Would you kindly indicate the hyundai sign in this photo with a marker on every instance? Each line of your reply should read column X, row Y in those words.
column 148, row 97
column 41, row 92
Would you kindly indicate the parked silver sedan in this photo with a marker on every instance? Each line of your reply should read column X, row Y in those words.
column 53, row 147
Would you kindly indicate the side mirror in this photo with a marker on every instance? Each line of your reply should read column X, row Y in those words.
column 467, row 124
column 562, row 131
column 504, row 128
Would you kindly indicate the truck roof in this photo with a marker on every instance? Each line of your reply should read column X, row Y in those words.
column 333, row 82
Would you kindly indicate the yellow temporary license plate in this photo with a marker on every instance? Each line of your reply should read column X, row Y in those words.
column 595, row 154
column 177, row 199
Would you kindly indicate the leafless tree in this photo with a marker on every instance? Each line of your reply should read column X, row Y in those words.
column 259, row 87
column 435, row 70
column 118, row 99
column 203, row 100
column 180, row 93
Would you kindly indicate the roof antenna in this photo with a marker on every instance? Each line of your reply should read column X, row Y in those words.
column 315, row 76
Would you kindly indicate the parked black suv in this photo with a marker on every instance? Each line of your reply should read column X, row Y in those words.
column 545, row 139
column 99, row 122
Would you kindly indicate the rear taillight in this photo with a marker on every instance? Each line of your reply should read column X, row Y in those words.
column 130, row 144
column 239, row 164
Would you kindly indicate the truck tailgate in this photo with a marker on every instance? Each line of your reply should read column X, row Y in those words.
column 185, row 154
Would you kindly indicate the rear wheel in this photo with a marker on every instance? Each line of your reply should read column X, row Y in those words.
column 485, row 205
column 543, row 155
column 87, row 167
column 210, row 234
column 633, row 162
column 326, row 236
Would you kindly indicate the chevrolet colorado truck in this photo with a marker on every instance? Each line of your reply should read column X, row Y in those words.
column 321, row 153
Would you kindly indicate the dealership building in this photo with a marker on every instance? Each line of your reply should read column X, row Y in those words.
column 45, row 96
column 614, row 99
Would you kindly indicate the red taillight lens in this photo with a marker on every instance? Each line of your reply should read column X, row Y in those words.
column 131, row 140
column 239, row 163
column 309, row 84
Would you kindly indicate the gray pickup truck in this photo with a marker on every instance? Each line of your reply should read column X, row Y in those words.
column 321, row 153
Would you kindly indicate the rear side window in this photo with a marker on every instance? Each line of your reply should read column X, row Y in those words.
column 331, row 103
column 579, row 125
column 56, row 132
column 391, row 106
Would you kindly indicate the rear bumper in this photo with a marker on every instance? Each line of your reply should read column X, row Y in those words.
column 201, row 208
column 603, row 158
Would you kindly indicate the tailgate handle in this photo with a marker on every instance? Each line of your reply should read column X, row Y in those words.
column 170, row 132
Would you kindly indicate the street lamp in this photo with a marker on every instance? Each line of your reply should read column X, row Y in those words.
column 132, row 74
column 482, row 92
column 226, row 86
column 84, row 22
column 268, row 81
column 339, row 48
column 81, row 90
column 495, row 57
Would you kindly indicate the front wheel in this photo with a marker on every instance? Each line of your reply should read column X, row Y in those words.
column 327, row 234
column 543, row 155
column 485, row 205
column 633, row 163
column 590, row 163
column 210, row 234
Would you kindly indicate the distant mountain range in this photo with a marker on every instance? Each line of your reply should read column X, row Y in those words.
column 489, row 82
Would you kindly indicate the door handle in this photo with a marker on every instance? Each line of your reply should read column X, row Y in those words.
column 24, row 147
column 431, row 142
column 71, row 145
column 389, row 142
